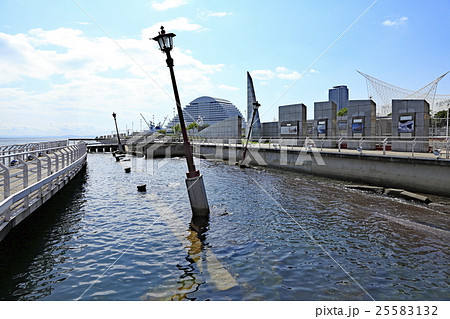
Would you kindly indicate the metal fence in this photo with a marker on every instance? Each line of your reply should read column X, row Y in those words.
column 431, row 147
column 30, row 147
column 31, row 176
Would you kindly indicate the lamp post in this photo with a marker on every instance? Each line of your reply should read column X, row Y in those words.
column 119, row 145
column 256, row 105
column 194, row 180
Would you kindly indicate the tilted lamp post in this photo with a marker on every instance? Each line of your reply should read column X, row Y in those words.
column 256, row 105
column 194, row 180
column 119, row 145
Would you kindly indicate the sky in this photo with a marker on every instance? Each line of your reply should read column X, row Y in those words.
column 67, row 65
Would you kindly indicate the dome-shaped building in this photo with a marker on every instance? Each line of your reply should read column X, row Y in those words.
column 206, row 110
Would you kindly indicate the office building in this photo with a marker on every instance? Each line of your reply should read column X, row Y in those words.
column 339, row 95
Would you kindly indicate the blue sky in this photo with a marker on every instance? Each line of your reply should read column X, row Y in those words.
column 62, row 73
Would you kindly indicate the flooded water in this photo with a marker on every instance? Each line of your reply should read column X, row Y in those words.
column 272, row 235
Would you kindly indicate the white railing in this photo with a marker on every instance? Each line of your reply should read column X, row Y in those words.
column 27, row 177
column 383, row 145
column 31, row 147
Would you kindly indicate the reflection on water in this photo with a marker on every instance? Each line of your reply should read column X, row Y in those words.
column 270, row 236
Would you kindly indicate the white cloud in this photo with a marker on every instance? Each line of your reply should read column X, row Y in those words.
column 218, row 14
column 289, row 76
column 228, row 88
column 397, row 22
column 62, row 76
column 281, row 69
column 313, row 71
column 262, row 74
column 167, row 4
column 286, row 74
column 208, row 13
column 280, row 72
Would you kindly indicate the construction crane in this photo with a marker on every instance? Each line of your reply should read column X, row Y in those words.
column 148, row 124
column 164, row 121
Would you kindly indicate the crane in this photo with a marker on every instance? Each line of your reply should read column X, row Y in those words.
column 148, row 124
column 164, row 121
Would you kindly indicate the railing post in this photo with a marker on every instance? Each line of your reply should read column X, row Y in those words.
column 447, row 155
column 25, row 180
column 39, row 173
column 6, row 191
column 6, row 181
column 73, row 152
column 413, row 144
column 56, row 160
column 49, row 170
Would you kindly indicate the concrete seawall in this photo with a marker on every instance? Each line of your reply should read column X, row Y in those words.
column 425, row 175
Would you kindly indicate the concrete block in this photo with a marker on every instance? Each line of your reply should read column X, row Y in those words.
column 373, row 189
column 415, row 197
column 393, row 191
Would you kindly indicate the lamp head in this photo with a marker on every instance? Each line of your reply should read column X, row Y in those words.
column 165, row 40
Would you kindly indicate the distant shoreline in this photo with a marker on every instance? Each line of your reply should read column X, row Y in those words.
column 44, row 137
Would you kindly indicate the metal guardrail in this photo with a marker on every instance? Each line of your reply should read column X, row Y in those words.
column 28, row 177
column 30, row 147
column 440, row 147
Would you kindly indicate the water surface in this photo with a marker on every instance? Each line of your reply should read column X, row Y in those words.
column 272, row 235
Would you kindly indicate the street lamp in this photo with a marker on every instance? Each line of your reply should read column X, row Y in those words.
column 194, row 180
column 256, row 105
column 119, row 145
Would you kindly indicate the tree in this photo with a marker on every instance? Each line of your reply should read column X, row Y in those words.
column 441, row 114
column 441, row 118
column 177, row 128
column 342, row 112
column 192, row 126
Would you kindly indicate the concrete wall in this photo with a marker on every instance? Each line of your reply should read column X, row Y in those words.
column 364, row 111
column 421, row 175
column 419, row 110
column 326, row 111
column 293, row 115
column 341, row 126
column 384, row 126
column 229, row 128
column 271, row 130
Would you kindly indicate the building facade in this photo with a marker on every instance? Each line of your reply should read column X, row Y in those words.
column 207, row 110
column 339, row 95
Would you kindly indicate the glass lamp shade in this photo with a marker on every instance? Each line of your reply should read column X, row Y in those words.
column 165, row 40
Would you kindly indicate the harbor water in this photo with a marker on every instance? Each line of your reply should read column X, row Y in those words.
column 272, row 235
